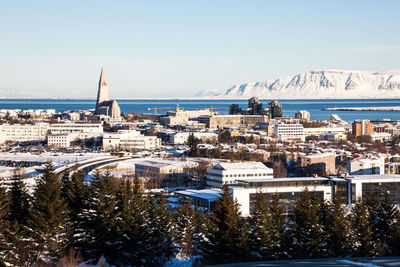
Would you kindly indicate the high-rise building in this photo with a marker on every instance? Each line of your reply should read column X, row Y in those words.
column 105, row 106
column 362, row 127
column 302, row 115
column 275, row 109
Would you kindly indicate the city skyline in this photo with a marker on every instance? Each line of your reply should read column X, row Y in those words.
column 178, row 49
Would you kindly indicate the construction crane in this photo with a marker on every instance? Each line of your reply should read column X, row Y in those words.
column 211, row 108
column 157, row 108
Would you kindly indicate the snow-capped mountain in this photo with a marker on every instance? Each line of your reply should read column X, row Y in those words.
column 323, row 84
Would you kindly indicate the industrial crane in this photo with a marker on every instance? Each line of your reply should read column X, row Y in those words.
column 157, row 108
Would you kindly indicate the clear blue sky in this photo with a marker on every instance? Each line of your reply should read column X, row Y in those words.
column 178, row 48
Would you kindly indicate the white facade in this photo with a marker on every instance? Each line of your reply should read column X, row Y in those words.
column 130, row 140
column 289, row 131
column 181, row 116
column 302, row 114
column 293, row 186
column 231, row 173
column 61, row 139
column 379, row 136
column 57, row 128
column 323, row 130
column 181, row 138
column 23, row 132
column 361, row 166
column 68, row 139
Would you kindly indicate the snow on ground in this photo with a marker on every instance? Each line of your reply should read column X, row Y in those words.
column 58, row 159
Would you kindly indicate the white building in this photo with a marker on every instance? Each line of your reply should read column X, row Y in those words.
column 361, row 166
column 333, row 136
column 23, row 132
column 230, row 173
column 181, row 138
column 68, row 139
column 130, row 140
column 379, row 136
column 302, row 114
column 57, row 128
column 289, row 131
column 322, row 130
column 181, row 116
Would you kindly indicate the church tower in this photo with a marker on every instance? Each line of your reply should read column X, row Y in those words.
column 102, row 94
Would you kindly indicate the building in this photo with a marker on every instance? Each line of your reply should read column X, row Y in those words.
column 180, row 138
column 203, row 198
column 162, row 173
column 232, row 121
column 275, row 109
column 333, row 137
column 362, row 166
column 105, row 106
column 362, row 127
column 57, row 128
column 379, row 136
column 315, row 132
column 287, row 132
column 181, row 116
column 23, row 132
column 322, row 161
column 65, row 140
column 229, row 173
column 302, row 115
column 350, row 188
column 129, row 139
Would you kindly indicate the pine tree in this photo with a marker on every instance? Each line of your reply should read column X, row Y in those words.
column 337, row 229
column 48, row 219
column 76, row 195
column 307, row 232
column 162, row 233
column 4, row 226
column 385, row 224
column 133, row 226
column 190, row 223
column 261, row 239
column 19, row 199
column 227, row 233
column 277, row 228
column 362, row 226
column 100, row 220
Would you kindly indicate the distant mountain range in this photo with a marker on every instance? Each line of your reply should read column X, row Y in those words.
column 318, row 84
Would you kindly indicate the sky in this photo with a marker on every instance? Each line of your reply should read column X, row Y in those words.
column 157, row 49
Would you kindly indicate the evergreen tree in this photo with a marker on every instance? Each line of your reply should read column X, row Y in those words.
column 76, row 195
column 100, row 220
column 134, row 223
column 260, row 237
column 277, row 228
column 161, row 233
column 19, row 199
column 396, row 236
column 48, row 218
column 306, row 231
column 337, row 227
column 227, row 233
column 4, row 226
column 192, row 143
column 385, row 224
column 190, row 224
column 362, row 226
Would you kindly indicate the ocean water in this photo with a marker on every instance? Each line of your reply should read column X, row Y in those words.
column 289, row 106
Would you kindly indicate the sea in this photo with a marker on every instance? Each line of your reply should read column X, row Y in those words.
column 314, row 106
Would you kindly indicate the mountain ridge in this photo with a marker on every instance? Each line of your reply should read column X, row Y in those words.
column 319, row 84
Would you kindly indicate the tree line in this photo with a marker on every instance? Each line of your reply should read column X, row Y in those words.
column 66, row 221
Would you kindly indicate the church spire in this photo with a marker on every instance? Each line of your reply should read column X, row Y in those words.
column 102, row 94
